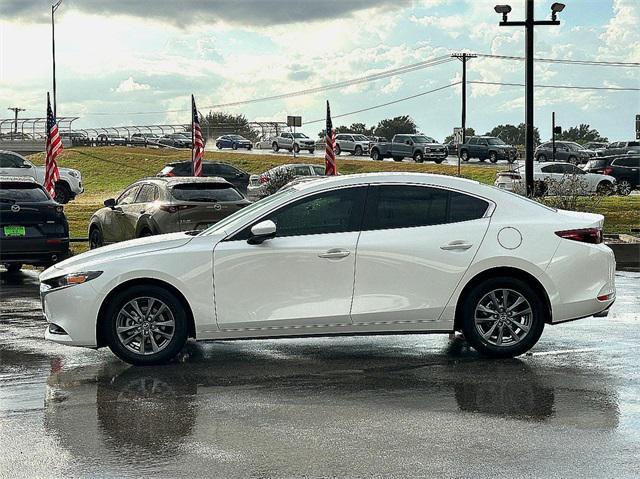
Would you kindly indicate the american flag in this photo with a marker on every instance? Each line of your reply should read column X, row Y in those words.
column 330, row 167
column 54, row 147
column 197, row 150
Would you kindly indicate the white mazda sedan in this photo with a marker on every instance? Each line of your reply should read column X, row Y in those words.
column 389, row 253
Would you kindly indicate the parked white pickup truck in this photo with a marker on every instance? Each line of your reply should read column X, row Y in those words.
column 67, row 188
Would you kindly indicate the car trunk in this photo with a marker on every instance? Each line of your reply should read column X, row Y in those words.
column 31, row 226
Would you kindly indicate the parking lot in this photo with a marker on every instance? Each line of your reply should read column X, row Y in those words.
column 397, row 406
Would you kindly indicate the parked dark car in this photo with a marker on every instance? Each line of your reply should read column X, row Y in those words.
column 112, row 139
column 621, row 148
column 237, row 177
column 164, row 205
column 177, row 140
column 624, row 168
column 33, row 227
column 452, row 148
column 487, row 148
column 416, row 146
column 566, row 151
column 233, row 141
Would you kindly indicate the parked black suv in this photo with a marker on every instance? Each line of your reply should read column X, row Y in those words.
column 624, row 168
column 238, row 178
column 33, row 227
column 487, row 147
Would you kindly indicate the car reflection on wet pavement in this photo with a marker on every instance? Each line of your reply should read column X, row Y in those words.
column 383, row 406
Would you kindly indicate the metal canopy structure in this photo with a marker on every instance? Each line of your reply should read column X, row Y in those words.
column 31, row 128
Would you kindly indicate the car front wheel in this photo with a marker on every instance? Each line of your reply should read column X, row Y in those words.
column 358, row 151
column 624, row 187
column 503, row 317
column 95, row 238
column 145, row 324
column 63, row 194
column 464, row 155
column 493, row 157
column 275, row 147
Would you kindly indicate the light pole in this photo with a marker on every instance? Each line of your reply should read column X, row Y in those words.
column 54, row 7
column 15, row 110
column 463, row 57
column 529, row 25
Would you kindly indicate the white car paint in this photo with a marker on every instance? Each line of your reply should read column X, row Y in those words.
column 73, row 178
column 377, row 281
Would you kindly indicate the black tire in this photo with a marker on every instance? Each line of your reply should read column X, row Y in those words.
column 337, row 150
column 535, row 320
column 95, row 238
column 375, row 155
column 493, row 157
column 605, row 188
column 541, row 157
column 311, row 150
column 573, row 160
column 296, row 148
column 13, row 268
column 158, row 293
column 219, row 146
column 398, row 158
column 624, row 187
column 464, row 155
column 438, row 160
column 145, row 232
column 418, row 157
column 63, row 193
column 275, row 147
column 358, row 151
column 234, row 146
column 249, row 148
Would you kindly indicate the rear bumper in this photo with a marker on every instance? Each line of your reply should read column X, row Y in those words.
column 33, row 251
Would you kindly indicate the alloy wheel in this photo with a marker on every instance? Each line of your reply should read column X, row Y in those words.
column 503, row 317
column 145, row 325
column 624, row 187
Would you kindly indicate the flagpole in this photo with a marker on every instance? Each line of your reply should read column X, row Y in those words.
column 54, row 7
column 193, row 137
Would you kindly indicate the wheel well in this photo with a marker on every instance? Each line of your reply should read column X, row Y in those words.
column 63, row 183
column 501, row 271
column 142, row 281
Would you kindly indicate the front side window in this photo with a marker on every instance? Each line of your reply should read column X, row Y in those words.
column 403, row 206
column 473, row 141
column 148, row 194
column 496, row 141
column 128, row 196
column 318, row 170
column 7, row 160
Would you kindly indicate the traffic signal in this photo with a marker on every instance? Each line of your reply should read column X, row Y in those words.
column 557, row 130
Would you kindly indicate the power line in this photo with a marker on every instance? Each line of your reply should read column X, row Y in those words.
column 387, row 103
column 566, row 87
column 565, row 61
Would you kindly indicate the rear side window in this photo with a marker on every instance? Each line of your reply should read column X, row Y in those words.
column 630, row 162
column 15, row 192
column 205, row 192
column 391, row 207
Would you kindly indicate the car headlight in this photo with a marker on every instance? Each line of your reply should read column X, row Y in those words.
column 72, row 279
column 74, row 174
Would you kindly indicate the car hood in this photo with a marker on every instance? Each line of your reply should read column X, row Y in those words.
column 115, row 251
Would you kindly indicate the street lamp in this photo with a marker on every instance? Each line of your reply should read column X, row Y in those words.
column 529, row 25
column 54, row 7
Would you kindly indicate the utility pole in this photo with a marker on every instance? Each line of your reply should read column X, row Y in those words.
column 553, row 135
column 15, row 110
column 463, row 57
column 54, row 7
column 529, row 25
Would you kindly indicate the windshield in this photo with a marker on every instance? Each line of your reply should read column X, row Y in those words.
column 300, row 135
column 422, row 139
column 235, row 220
column 205, row 192
column 360, row 138
column 496, row 141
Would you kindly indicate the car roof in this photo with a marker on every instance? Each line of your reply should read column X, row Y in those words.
column 177, row 180
column 208, row 162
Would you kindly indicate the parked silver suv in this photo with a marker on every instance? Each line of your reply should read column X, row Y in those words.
column 164, row 205
column 293, row 142
column 352, row 143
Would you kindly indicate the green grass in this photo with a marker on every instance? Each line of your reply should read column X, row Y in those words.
column 107, row 171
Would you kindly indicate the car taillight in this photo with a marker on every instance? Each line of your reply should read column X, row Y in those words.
column 607, row 171
column 174, row 208
column 264, row 179
column 584, row 235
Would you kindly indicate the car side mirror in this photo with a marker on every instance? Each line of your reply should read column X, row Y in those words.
column 110, row 203
column 26, row 164
column 262, row 231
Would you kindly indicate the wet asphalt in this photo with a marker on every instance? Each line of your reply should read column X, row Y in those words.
column 396, row 406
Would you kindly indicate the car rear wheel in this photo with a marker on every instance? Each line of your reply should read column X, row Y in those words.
column 542, row 158
column 275, row 147
column 605, row 188
column 624, row 187
column 464, row 155
column 337, row 150
column 398, row 158
column 573, row 160
column 503, row 317
column 418, row 157
column 95, row 238
column 493, row 157
column 145, row 324
column 358, row 151
column 63, row 193
column 375, row 155
column 296, row 148
column 219, row 146
column 13, row 267
column 234, row 146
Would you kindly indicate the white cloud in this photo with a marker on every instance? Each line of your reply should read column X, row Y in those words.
column 450, row 25
column 392, row 85
column 130, row 85
column 621, row 37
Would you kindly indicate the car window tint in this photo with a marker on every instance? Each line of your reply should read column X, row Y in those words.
column 473, row 141
column 147, row 194
column 128, row 196
column 205, row 192
column 227, row 170
column 27, row 192
column 7, row 160
column 548, row 169
column 410, row 206
column 628, row 162
column 336, row 211
column 319, row 170
column 301, row 170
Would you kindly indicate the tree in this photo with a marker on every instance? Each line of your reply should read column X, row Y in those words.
column 355, row 128
column 217, row 123
column 582, row 133
column 467, row 133
column 393, row 126
column 514, row 135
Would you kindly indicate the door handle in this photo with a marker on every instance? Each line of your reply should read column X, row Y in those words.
column 458, row 245
column 335, row 254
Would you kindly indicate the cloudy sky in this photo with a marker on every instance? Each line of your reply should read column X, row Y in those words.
column 134, row 62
